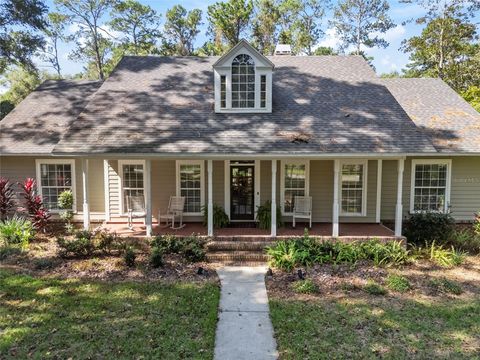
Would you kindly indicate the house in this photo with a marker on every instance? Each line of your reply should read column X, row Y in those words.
column 242, row 129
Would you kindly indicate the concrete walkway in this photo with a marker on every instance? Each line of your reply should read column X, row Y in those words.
column 244, row 329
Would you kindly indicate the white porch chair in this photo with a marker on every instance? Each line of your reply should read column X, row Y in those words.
column 135, row 209
column 175, row 209
column 302, row 208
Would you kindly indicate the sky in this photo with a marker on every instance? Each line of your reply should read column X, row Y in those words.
column 385, row 60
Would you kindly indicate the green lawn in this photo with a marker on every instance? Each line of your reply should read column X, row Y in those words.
column 369, row 327
column 49, row 318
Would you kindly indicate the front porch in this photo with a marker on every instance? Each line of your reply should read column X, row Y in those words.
column 350, row 231
column 348, row 196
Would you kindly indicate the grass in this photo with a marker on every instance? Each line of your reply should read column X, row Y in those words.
column 446, row 286
column 372, row 327
column 398, row 283
column 374, row 288
column 305, row 287
column 50, row 318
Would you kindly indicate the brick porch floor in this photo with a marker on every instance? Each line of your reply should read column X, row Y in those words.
column 318, row 229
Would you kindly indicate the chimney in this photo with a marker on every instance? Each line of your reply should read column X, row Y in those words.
column 283, row 49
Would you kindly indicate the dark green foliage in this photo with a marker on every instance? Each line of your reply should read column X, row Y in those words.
column 156, row 257
column 129, row 256
column 44, row 263
column 398, row 283
column 287, row 254
column 80, row 245
column 170, row 244
column 7, row 250
column 426, row 227
column 193, row 248
column 220, row 218
column 264, row 216
column 374, row 288
column 65, row 202
column 305, row 287
column 446, row 286
column 465, row 240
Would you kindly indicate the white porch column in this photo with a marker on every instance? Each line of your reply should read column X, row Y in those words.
column 379, row 191
column 399, row 208
column 274, row 199
column 336, row 207
column 210, row 197
column 148, row 197
column 86, row 210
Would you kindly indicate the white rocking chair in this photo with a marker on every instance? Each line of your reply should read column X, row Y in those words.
column 175, row 209
column 302, row 209
column 135, row 209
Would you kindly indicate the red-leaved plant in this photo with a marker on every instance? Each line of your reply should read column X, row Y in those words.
column 34, row 205
column 7, row 194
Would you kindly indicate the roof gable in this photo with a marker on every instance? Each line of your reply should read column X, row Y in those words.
column 243, row 47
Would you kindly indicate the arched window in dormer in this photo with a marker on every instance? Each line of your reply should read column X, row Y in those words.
column 243, row 82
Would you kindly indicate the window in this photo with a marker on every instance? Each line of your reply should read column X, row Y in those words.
column 263, row 91
column 190, row 184
column 53, row 178
column 243, row 82
column 132, row 173
column 353, row 192
column 430, row 185
column 223, row 91
column 294, row 182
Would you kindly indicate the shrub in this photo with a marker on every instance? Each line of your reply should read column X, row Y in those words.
column 65, row 202
column 7, row 194
column 106, row 241
column 193, row 249
column 476, row 224
column 305, row 287
column 264, row 216
column 445, row 257
column 390, row 253
column 427, row 227
column 16, row 231
column 81, row 245
column 220, row 218
column 446, row 286
column 398, row 283
column 284, row 255
column 170, row 244
column 44, row 263
column 129, row 256
column 34, row 205
column 374, row 288
column 156, row 257
column 466, row 240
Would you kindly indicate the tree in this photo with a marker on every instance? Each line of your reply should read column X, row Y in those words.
column 324, row 50
column 181, row 29
column 448, row 45
column 264, row 26
column 307, row 27
column 360, row 22
column 91, row 40
column 19, row 40
column 139, row 24
column 230, row 20
column 472, row 95
column 20, row 82
column 55, row 33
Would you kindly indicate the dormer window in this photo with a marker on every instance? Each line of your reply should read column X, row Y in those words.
column 243, row 81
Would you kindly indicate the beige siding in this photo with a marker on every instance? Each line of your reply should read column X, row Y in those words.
column 321, row 189
column 113, row 188
column 465, row 188
column 218, row 183
column 17, row 169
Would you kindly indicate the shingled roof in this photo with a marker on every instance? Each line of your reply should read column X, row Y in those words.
column 321, row 105
column 37, row 124
column 450, row 122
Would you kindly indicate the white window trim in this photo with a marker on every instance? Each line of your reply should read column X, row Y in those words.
column 448, row 183
column 70, row 162
column 364, row 186
column 282, row 181
column 120, row 174
column 202, row 182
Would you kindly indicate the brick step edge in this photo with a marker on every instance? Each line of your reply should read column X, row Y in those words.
column 237, row 256
column 245, row 238
column 240, row 263
column 238, row 245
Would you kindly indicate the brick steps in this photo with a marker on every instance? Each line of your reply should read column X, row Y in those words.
column 237, row 257
column 238, row 245
column 238, row 250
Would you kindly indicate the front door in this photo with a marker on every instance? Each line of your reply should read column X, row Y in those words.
column 242, row 203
